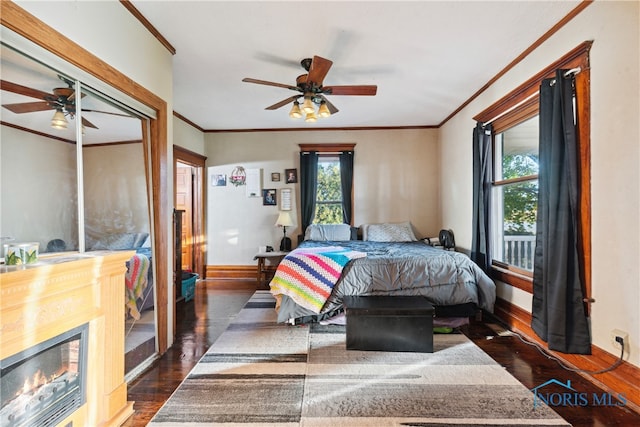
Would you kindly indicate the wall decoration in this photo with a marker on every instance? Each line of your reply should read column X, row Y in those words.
column 291, row 175
column 285, row 199
column 254, row 183
column 275, row 176
column 269, row 197
column 238, row 176
column 218, row 180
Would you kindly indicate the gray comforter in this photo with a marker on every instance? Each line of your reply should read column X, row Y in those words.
column 445, row 278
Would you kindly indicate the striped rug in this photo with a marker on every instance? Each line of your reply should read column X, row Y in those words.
column 260, row 373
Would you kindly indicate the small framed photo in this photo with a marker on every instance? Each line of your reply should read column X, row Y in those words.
column 269, row 197
column 275, row 176
column 285, row 199
column 218, row 180
column 291, row 175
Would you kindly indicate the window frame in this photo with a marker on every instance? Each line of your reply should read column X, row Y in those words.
column 522, row 104
column 503, row 183
column 328, row 150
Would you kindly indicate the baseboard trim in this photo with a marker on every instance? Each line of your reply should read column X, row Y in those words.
column 231, row 272
column 615, row 381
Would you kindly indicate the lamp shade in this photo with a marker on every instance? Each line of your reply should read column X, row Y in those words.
column 295, row 112
column 59, row 121
column 323, row 111
column 307, row 105
column 284, row 219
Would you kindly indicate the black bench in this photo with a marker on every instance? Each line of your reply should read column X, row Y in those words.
column 389, row 323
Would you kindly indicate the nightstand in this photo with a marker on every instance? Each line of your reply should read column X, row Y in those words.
column 267, row 270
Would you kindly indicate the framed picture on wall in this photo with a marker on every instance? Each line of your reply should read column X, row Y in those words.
column 285, row 199
column 291, row 175
column 275, row 176
column 218, row 180
column 269, row 197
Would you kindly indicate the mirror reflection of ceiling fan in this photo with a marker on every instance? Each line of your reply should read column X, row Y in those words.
column 310, row 87
column 62, row 100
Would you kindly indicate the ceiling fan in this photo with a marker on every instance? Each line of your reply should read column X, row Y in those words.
column 310, row 87
column 62, row 100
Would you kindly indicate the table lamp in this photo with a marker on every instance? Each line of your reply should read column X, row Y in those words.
column 284, row 220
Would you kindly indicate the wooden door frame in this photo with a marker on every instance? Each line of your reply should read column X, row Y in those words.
column 197, row 161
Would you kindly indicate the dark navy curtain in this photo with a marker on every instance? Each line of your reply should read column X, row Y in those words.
column 308, row 187
column 558, row 312
column 346, row 182
column 482, row 167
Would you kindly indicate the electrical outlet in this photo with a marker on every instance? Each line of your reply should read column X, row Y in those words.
column 621, row 334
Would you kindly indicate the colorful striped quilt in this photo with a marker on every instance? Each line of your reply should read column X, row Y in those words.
column 135, row 280
column 308, row 275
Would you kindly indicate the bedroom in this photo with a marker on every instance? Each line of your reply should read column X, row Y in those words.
column 447, row 171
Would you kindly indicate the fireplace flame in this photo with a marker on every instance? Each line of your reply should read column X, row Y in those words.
column 37, row 380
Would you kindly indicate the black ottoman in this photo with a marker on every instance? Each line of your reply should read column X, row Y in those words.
column 388, row 323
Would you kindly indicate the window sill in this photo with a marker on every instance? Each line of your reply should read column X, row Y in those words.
column 517, row 280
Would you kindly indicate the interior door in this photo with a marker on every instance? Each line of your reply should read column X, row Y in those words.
column 184, row 201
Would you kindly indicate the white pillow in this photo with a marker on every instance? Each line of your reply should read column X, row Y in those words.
column 330, row 232
column 389, row 232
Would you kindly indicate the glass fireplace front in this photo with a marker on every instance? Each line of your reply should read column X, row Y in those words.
column 44, row 384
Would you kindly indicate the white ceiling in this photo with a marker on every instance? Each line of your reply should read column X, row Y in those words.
column 426, row 57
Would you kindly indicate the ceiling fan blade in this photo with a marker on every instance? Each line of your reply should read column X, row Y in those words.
column 264, row 82
column 88, row 124
column 332, row 108
column 28, row 107
column 369, row 90
column 106, row 112
column 318, row 70
column 283, row 102
column 23, row 90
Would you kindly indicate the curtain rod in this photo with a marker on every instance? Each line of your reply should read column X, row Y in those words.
column 573, row 71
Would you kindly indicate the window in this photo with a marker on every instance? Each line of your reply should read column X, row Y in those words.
column 326, row 183
column 514, row 119
column 329, row 192
column 515, row 194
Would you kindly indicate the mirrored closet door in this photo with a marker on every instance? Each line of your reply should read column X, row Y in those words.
column 74, row 169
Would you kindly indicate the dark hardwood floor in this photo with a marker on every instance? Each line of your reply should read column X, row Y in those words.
column 200, row 321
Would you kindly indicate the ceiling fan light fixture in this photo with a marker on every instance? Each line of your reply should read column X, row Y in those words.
column 323, row 111
column 59, row 121
column 307, row 105
column 295, row 112
column 311, row 118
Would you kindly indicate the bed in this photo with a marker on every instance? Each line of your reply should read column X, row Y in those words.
column 389, row 260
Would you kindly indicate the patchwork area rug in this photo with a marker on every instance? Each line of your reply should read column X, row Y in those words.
column 261, row 373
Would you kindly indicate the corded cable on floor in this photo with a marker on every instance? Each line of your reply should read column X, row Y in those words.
column 568, row 368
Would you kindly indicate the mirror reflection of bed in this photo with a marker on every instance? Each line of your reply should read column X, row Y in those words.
column 139, row 293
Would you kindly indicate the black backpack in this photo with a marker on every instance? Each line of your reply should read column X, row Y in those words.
column 446, row 239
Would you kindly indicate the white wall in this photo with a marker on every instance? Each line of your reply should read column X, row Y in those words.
column 115, row 189
column 188, row 137
column 615, row 162
column 30, row 166
column 396, row 178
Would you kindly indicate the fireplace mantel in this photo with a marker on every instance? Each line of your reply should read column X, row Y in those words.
column 60, row 293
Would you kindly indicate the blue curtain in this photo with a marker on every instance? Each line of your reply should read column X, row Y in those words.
column 346, row 181
column 558, row 312
column 308, row 186
column 482, row 167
